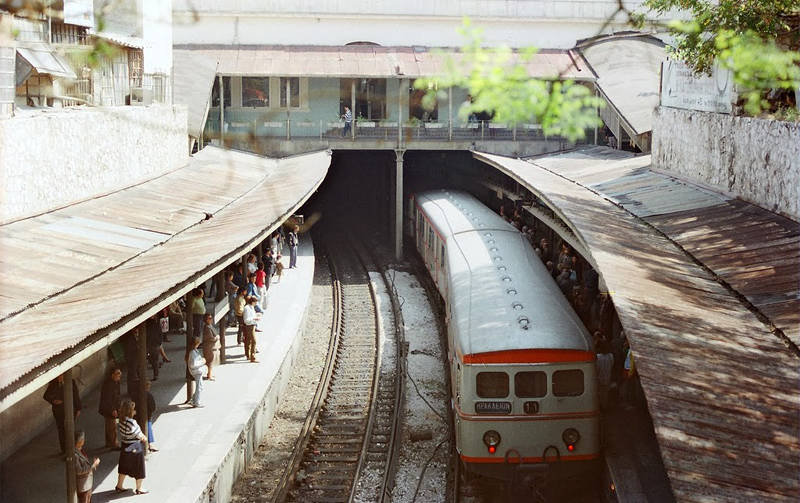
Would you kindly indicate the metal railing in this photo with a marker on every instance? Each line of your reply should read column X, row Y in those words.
column 238, row 125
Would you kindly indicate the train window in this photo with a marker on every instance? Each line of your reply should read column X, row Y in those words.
column 530, row 384
column 441, row 258
column 492, row 384
column 568, row 382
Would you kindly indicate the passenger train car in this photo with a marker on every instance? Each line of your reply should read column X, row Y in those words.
column 523, row 386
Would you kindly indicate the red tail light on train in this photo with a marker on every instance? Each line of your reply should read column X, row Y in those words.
column 492, row 439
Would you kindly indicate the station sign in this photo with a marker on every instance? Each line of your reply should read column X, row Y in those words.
column 682, row 88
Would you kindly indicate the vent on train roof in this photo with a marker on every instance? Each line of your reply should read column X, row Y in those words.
column 524, row 322
column 501, row 268
column 507, row 279
column 497, row 258
column 517, row 306
column 511, row 291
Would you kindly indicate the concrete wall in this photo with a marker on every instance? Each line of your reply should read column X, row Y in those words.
column 755, row 159
column 518, row 23
column 52, row 158
column 32, row 415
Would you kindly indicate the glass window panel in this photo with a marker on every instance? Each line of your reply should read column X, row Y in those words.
column 255, row 91
column 530, row 384
column 568, row 382
column 492, row 384
column 294, row 92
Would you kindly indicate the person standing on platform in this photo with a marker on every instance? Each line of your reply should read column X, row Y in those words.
column 250, row 321
column 55, row 395
column 230, row 291
column 348, row 121
column 109, row 405
column 133, row 444
column 238, row 309
column 293, row 242
column 210, row 339
column 154, row 349
column 151, row 410
column 252, row 289
column 274, row 243
column 252, row 265
column 239, row 277
column 197, row 367
column 261, row 285
column 84, row 469
column 176, row 317
column 198, row 310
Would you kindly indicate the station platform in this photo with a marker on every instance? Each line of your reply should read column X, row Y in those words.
column 201, row 450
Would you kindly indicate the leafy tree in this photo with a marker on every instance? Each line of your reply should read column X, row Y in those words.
column 756, row 39
column 499, row 83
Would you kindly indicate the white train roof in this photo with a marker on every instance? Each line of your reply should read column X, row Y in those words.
column 497, row 285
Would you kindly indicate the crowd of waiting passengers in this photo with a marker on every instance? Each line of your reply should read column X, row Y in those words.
column 618, row 382
column 246, row 290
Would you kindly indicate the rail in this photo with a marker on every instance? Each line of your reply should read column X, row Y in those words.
column 338, row 440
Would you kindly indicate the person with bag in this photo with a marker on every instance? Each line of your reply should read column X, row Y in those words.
column 109, row 405
column 197, row 367
column 133, row 445
column 163, row 324
column 84, row 469
column 250, row 318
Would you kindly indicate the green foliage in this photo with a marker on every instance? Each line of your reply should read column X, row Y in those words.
column 757, row 66
column 769, row 19
column 499, row 83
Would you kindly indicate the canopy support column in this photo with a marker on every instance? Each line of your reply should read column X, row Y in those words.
column 398, row 205
column 141, row 391
column 69, row 437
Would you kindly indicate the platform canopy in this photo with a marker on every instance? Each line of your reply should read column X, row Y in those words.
column 628, row 69
column 75, row 279
column 363, row 61
column 721, row 387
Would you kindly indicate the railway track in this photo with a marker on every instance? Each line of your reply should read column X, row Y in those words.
column 350, row 429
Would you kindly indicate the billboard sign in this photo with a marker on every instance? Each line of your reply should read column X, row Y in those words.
column 682, row 88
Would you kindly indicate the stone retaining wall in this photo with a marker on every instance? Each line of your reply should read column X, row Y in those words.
column 757, row 160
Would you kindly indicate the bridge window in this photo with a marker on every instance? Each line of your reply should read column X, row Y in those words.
column 568, row 382
column 370, row 97
column 290, row 92
column 226, row 83
column 530, row 384
column 255, row 91
column 492, row 384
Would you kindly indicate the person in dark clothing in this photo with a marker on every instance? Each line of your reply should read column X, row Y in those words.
column 239, row 279
column 55, row 395
column 109, row 405
column 151, row 409
column 155, row 350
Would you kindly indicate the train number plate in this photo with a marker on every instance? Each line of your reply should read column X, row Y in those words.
column 493, row 407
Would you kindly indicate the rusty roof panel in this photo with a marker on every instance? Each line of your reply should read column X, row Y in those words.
column 48, row 300
column 365, row 61
column 720, row 386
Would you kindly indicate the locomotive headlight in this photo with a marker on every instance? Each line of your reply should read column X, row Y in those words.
column 492, row 439
column 571, row 437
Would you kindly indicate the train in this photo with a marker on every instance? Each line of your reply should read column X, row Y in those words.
column 522, row 369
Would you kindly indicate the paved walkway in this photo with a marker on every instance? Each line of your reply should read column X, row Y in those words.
column 192, row 443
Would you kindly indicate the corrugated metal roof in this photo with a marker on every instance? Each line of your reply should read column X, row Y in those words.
column 120, row 39
column 720, row 386
column 628, row 72
column 44, row 59
column 63, row 289
column 363, row 61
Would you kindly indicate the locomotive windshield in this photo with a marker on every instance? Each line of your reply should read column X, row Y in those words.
column 492, row 384
column 568, row 382
column 530, row 384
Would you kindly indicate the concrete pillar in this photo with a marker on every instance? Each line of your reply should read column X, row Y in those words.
column 69, row 438
column 450, row 113
column 398, row 205
column 141, row 394
column 221, row 111
column 353, row 107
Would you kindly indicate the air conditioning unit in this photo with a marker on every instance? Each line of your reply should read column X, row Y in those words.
column 141, row 96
